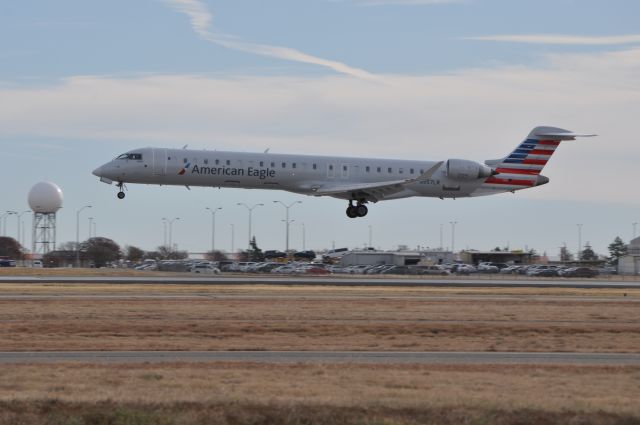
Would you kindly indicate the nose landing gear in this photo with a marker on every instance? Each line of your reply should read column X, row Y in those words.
column 358, row 210
column 121, row 192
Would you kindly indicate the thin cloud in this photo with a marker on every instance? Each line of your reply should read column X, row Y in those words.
column 201, row 20
column 561, row 39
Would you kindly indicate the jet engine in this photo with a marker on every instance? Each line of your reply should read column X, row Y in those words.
column 463, row 169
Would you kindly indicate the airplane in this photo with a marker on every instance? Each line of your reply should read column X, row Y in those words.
column 358, row 180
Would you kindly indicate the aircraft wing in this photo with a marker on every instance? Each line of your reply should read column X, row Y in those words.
column 375, row 191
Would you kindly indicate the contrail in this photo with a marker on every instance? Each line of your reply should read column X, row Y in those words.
column 201, row 20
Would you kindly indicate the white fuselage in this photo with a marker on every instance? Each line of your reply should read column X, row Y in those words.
column 304, row 174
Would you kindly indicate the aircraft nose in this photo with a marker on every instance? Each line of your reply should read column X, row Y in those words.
column 98, row 171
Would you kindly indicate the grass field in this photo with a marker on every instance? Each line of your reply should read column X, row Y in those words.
column 200, row 317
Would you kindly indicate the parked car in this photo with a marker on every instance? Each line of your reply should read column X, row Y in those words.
column 465, row 269
column 7, row 262
column 432, row 270
column 510, row 270
column 543, row 272
column 205, row 269
column 580, row 272
column 487, row 268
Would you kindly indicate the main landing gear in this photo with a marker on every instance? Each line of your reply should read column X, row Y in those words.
column 121, row 192
column 358, row 210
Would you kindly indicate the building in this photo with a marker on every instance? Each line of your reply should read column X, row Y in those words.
column 508, row 257
column 630, row 263
column 396, row 258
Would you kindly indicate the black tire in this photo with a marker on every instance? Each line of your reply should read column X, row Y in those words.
column 120, row 195
column 362, row 210
column 351, row 212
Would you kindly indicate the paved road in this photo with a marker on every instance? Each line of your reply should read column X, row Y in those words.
column 332, row 281
column 321, row 356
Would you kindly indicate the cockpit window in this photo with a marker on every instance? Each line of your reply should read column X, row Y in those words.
column 135, row 156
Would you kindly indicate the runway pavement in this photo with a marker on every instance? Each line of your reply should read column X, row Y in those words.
column 396, row 357
column 331, row 281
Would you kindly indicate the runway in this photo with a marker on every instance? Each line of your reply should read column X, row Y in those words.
column 378, row 357
column 331, row 281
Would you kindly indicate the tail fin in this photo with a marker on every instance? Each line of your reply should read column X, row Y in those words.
column 521, row 169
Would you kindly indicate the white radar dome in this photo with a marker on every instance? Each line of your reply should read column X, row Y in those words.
column 45, row 197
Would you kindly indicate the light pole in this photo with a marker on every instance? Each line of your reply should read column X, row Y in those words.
column 287, row 221
column 95, row 233
column 90, row 225
column 78, row 234
column 233, row 238
column 250, row 209
column 171, row 231
column 213, row 212
column 441, row 233
column 304, row 237
column 634, row 229
column 579, row 241
column 19, row 215
column 453, row 235
column 370, row 235
column 5, row 216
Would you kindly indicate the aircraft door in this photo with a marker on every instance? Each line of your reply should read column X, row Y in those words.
column 159, row 162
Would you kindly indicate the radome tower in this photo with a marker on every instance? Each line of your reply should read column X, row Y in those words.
column 45, row 199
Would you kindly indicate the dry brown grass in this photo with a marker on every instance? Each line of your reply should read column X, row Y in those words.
column 327, row 318
column 545, row 388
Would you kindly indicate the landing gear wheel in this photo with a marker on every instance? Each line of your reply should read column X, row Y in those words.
column 121, row 192
column 361, row 210
column 351, row 211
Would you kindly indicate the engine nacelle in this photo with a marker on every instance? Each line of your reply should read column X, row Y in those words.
column 463, row 169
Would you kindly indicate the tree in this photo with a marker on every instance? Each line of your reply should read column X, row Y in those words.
column 166, row 253
column 101, row 250
column 565, row 255
column 617, row 249
column 216, row 256
column 9, row 247
column 255, row 253
column 134, row 254
column 587, row 253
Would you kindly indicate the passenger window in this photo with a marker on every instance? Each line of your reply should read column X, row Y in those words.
column 206, row 161
column 331, row 166
column 293, row 165
column 228, row 162
column 273, row 165
column 184, row 160
column 344, row 168
column 400, row 170
column 284, row 165
column 389, row 169
column 262, row 163
column 421, row 171
column 410, row 170
column 217, row 161
column 314, row 166
column 379, row 169
column 367, row 168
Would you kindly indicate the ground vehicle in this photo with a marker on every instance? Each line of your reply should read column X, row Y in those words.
column 487, row 268
column 7, row 262
column 544, row 271
column 464, row 269
column 432, row 270
column 205, row 269
column 510, row 270
column 580, row 272
column 37, row 264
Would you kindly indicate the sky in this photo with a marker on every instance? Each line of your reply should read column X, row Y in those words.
column 83, row 81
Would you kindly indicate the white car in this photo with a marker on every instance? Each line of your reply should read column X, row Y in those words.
column 205, row 269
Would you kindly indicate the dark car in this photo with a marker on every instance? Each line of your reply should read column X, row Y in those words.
column 7, row 262
column 544, row 273
column 580, row 272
